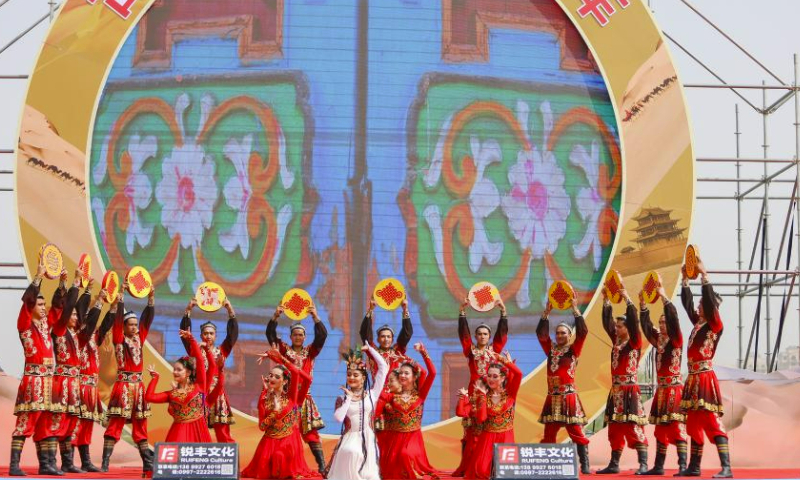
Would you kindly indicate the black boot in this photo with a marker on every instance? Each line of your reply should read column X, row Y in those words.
column 319, row 455
column 43, row 453
column 583, row 456
column 693, row 470
column 16, row 452
column 52, row 453
column 681, row 446
column 724, row 458
column 108, row 449
column 86, row 459
column 67, row 457
column 147, row 456
column 613, row 465
column 641, row 453
column 658, row 466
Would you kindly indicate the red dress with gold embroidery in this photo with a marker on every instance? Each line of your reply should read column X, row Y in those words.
column 402, row 448
column 702, row 391
column 498, row 424
column 666, row 407
column 562, row 404
column 310, row 418
column 35, row 387
column 66, row 398
column 188, row 409
column 624, row 403
column 127, row 395
column 479, row 359
column 220, row 412
column 467, row 409
column 88, row 342
column 280, row 452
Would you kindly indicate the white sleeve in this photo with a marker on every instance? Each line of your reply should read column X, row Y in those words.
column 380, row 376
column 341, row 413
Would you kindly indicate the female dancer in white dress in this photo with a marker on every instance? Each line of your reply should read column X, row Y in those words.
column 356, row 455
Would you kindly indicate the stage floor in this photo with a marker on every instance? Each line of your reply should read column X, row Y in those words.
column 134, row 473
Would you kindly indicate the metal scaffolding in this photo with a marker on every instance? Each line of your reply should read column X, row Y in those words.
column 770, row 272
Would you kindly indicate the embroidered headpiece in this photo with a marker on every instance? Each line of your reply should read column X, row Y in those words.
column 298, row 326
column 483, row 325
column 621, row 318
column 385, row 327
column 208, row 325
column 128, row 315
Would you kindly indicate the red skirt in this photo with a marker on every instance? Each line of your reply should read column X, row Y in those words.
column 403, row 455
column 624, row 405
column 481, row 464
column 31, row 396
column 279, row 458
column 565, row 408
column 127, row 401
column 66, row 395
column 91, row 406
column 666, row 407
column 467, row 448
column 220, row 412
column 702, row 392
column 194, row 431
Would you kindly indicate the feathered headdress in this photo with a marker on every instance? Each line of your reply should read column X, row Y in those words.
column 354, row 359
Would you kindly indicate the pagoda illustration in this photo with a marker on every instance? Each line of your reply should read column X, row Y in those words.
column 659, row 242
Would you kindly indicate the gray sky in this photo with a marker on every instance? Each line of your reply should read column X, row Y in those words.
column 766, row 28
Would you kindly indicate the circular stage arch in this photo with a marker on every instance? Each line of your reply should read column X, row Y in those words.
column 268, row 144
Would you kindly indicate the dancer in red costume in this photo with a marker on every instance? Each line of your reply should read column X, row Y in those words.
column 402, row 448
column 280, row 452
column 127, row 403
column 480, row 354
column 34, row 401
column 220, row 416
column 563, row 408
column 624, row 411
column 702, row 399
column 666, row 413
column 303, row 358
column 66, row 398
column 495, row 410
column 393, row 353
column 189, row 396
column 88, row 340
column 467, row 410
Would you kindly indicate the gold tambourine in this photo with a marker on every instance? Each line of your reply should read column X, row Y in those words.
column 650, row 285
column 295, row 303
column 85, row 269
column 52, row 259
column 560, row 295
column 614, row 286
column 110, row 285
column 389, row 293
column 209, row 296
column 482, row 296
column 139, row 282
column 692, row 259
